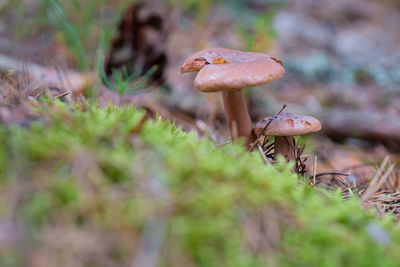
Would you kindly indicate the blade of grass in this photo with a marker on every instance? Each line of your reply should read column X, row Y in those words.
column 70, row 34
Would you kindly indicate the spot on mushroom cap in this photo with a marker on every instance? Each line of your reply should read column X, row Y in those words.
column 286, row 124
column 244, row 69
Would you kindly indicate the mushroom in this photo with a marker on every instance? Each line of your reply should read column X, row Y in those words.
column 229, row 71
column 284, row 126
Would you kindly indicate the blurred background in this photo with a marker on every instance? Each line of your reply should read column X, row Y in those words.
column 341, row 57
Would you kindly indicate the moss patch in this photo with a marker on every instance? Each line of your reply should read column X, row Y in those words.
column 82, row 188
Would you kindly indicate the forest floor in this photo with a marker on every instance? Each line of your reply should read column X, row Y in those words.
column 340, row 68
column 329, row 74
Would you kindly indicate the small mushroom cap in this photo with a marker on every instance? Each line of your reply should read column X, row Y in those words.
column 286, row 124
column 244, row 69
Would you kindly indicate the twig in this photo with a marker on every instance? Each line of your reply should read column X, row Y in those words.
column 315, row 169
column 263, row 130
column 61, row 95
column 332, row 173
column 382, row 180
column 262, row 154
column 38, row 94
column 380, row 177
column 269, row 148
column 223, row 144
column 282, row 108
column 259, row 136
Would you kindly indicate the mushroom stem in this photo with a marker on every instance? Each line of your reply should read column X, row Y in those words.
column 284, row 146
column 237, row 115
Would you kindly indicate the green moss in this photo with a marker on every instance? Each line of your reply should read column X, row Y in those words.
column 87, row 171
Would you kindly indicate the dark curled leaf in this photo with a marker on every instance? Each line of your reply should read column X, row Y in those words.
column 135, row 49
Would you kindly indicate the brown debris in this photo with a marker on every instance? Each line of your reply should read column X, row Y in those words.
column 138, row 44
column 277, row 60
column 194, row 65
column 220, row 60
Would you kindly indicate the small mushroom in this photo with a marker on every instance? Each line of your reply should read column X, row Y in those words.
column 284, row 126
column 229, row 71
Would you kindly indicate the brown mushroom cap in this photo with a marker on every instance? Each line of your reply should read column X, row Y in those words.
column 245, row 69
column 286, row 124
